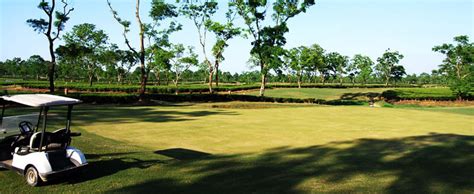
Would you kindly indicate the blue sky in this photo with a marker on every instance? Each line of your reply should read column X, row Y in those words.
column 349, row 27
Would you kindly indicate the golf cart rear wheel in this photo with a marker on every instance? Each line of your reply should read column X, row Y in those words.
column 32, row 176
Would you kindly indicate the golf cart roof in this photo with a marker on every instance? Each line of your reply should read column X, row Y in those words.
column 39, row 100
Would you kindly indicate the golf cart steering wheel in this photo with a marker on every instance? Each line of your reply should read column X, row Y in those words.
column 25, row 127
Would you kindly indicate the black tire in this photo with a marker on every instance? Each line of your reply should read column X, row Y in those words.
column 32, row 176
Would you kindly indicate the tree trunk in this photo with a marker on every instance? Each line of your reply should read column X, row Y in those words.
column 262, row 84
column 52, row 66
column 144, row 76
column 211, row 72
column 157, row 75
column 175, row 81
column 217, row 73
column 90, row 80
column 322, row 79
column 299, row 79
column 120, row 78
column 90, row 73
column 143, row 79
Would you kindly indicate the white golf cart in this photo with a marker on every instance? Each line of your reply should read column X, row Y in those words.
column 33, row 152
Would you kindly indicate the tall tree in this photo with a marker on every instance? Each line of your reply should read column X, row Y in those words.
column 293, row 59
column 337, row 63
column 364, row 66
column 161, row 62
column 12, row 66
column 120, row 62
column 397, row 73
column 268, row 40
column 424, row 78
column 92, row 42
column 160, row 11
column 458, row 65
column 37, row 66
column 386, row 63
column 351, row 72
column 70, row 61
column 56, row 19
column 313, row 59
column 411, row 79
column 200, row 13
column 438, row 77
column 223, row 33
column 183, row 58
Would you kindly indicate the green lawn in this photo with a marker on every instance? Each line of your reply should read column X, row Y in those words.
column 271, row 149
column 318, row 93
column 469, row 110
column 356, row 93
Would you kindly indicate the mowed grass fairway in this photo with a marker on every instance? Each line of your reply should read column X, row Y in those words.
column 355, row 93
column 271, row 149
column 318, row 93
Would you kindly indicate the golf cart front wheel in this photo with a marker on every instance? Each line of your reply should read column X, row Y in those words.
column 32, row 176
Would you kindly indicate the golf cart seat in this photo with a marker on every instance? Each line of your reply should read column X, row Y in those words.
column 51, row 141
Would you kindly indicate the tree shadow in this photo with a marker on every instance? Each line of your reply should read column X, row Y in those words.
column 139, row 114
column 102, row 165
column 417, row 164
column 182, row 154
column 360, row 96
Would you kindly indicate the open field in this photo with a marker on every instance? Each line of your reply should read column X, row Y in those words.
column 318, row 93
column 267, row 148
column 466, row 110
column 440, row 93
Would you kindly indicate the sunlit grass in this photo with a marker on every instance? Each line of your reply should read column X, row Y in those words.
column 318, row 93
column 267, row 149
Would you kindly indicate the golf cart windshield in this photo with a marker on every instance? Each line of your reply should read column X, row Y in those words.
column 10, row 126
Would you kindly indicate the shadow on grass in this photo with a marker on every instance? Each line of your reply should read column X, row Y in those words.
column 359, row 96
column 106, row 164
column 102, row 165
column 418, row 164
column 182, row 154
column 139, row 114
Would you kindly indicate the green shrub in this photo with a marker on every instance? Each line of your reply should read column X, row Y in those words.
column 201, row 88
column 422, row 94
column 105, row 98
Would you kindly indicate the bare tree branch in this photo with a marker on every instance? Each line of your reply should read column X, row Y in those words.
column 62, row 20
column 124, row 33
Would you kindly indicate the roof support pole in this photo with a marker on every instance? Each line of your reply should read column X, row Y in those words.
column 39, row 119
column 3, row 112
column 45, row 117
column 68, row 122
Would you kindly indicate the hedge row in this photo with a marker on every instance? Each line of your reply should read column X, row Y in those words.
column 132, row 98
column 135, row 88
column 438, row 94
column 184, row 88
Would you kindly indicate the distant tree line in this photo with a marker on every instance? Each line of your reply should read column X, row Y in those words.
column 121, row 72
column 88, row 54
